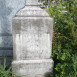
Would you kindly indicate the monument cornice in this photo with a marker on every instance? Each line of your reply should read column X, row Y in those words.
column 32, row 9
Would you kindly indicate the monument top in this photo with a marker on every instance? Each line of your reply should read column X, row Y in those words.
column 32, row 10
column 31, row 2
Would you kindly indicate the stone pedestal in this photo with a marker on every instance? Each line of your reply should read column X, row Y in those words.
column 33, row 68
column 32, row 41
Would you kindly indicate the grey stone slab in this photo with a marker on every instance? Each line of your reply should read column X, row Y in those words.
column 5, row 34
column 31, row 2
column 8, row 61
column 34, row 11
column 32, row 37
column 8, row 9
column 32, row 25
column 32, row 68
column 32, row 41
column 8, row 53
column 32, row 46
column 6, row 42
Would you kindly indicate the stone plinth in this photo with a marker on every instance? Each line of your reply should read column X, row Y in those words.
column 33, row 68
column 32, row 41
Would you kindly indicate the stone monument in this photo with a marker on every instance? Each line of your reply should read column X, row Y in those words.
column 32, row 41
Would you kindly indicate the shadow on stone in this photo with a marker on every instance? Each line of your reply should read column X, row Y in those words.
column 49, row 74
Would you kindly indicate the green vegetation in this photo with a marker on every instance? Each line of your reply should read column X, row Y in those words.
column 5, row 72
column 65, row 39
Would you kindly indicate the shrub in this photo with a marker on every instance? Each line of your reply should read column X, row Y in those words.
column 65, row 39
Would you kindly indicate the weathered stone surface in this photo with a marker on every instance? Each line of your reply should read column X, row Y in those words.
column 33, row 11
column 31, row 2
column 6, row 42
column 6, row 52
column 8, row 9
column 32, row 25
column 33, row 68
column 32, row 41
column 32, row 37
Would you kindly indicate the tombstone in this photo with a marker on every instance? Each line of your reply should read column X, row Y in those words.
column 32, row 41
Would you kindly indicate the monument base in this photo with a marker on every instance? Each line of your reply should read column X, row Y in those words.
column 32, row 68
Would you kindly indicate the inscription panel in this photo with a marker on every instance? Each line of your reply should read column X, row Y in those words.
column 32, row 46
